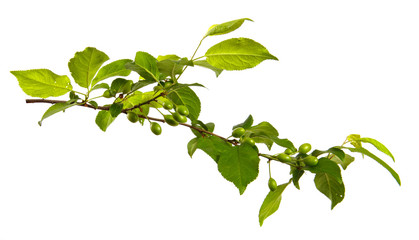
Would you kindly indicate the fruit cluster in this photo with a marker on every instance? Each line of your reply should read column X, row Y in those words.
column 173, row 119
column 240, row 133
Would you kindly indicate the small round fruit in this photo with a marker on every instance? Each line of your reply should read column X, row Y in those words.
column 170, row 120
column 311, row 161
column 238, row 132
column 107, row 94
column 132, row 117
column 289, row 151
column 249, row 141
column 155, row 128
column 167, row 105
column 182, row 110
column 283, row 157
column 179, row 118
column 272, row 184
column 304, row 148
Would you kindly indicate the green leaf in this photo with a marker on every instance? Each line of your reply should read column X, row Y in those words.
column 94, row 104
column 192, row 146
column 264, row 132
column 271, row 203
column 239, row 165
column 172, row 65
column 100, row 86
column 104, row 119
column 345, row 162
column 327, row 166
column 182, row 85
column 84, row 65
column 115, row 109
column 227, row 27
column 213, row 146
column 354, row 140
column 237, row 54
column 378, row 145
column 120, row 85
column 296, row 175
column 186, row 96
column 42, row 83
column 116, row 68
column 56, row 108
column 330, row 187
column 205, row 64
column 205, row 126
column 145, row 65
column 246, row 124
column 333, row 150
column 140, row 84
column 377, row 159
column 283, row 142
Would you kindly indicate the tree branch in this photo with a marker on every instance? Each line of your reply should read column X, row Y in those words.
column 82, row 104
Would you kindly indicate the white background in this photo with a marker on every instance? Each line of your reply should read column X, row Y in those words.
column 345, row 67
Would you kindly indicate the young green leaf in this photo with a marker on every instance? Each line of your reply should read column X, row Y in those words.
column 271, row 203
column 237, row 54
column 378, row 145
column 239, row 165
column 354, row 140
column 104, row 119
column 246, row 124
column 186, row 96
column 330, row 187
column 205, row 64
column 227, row 27
column 84, row 65
column 145, row 65
column 56, row 108
column 43, row 83
column 377, row 159
column 113, row 69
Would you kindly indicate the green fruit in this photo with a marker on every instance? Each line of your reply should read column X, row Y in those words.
column 310, row 161
column 249, row 141
column 304, row 148
column 238, row 132
column 170, row 120
column 155, row 128
column 283, row 157
column 289, row 151
column 272, row 184
column 107, row 94
column 182, row 110
column 179, row 118
column 167, row 105
column 132, row 117
column 167, row 84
